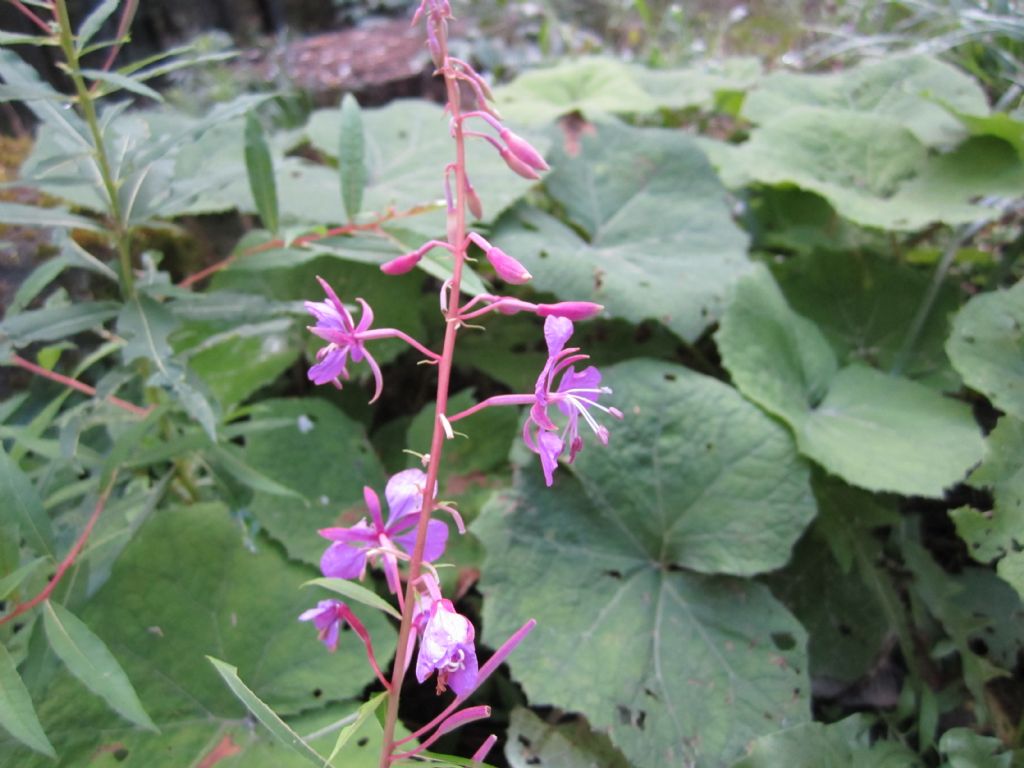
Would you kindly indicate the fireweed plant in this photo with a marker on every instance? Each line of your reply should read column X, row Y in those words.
column 406, row 542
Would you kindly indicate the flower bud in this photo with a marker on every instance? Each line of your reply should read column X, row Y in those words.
column 402, row 264
column 572, row 310
column 473, row 201
column 517, row 165
column 522, row 149
column 508, row 269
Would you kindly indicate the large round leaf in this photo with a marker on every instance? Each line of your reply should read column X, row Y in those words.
column 987, row 347
column 320, row 451
column 678, row 666
column 650, row 232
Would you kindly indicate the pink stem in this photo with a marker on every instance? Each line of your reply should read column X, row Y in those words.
column 28, row 14
column 495, row 400
column 455, row 721
column 360, row 630
column 394, row 333
column 67, row 381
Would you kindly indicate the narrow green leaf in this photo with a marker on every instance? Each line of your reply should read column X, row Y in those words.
column 354, row 591
column 52, row 323
column 363, row 715
column 38, row 279
column 20, row 504
column 261, row 172
column 14, row 579
column 253, row 478
column 352, row 156
column 17, row 38
column 17, row 715
column 94, row 21
column 265, row 714
column 35, row 216
column 119, row 82
column 87, row 658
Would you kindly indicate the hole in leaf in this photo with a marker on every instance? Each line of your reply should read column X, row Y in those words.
column 317, row 693
column 543, row 254
column 120, row 754
column 651, row 693
column 362, row 742
column 709, row 447
column 614, row 574
column 783, row 641
column 640, row 719
column 978, row 646
column 670, row 377
column 533, row 760
column 844, row 630
column 625, row 716
column 524, row 741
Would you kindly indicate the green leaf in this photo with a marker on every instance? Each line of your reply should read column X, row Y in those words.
column 265, row 714
column 873, row 171
column 16, row 577
column 350, row 730
column 116, row 82
column 93, row 22
column 911, row 91
column 846, row 744
column 693, row 478
column 352, row 156
column 987, row 347
column 964, row 748
column 354, row 591
column 304, row 454
column 260, row 168
column 649, row 232
column 998, row 124
column 17, row 716
column 224, row 457
column 19, row 38
column 52, row 323
column 876, row 431
column 595, row 87
column 36, row 282
column 88, row 659
column 36, row 216
column 20, row 505
column 533, row 743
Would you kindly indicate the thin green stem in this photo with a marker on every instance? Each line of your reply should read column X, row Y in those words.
column 86, row 103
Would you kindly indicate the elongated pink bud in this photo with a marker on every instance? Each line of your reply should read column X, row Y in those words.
column 401, row 264
column 462, row 717
column 508, row 269
column 473, row 201
column 481, row 754
column 522, row 149
column 572, row 310
column 517, row 165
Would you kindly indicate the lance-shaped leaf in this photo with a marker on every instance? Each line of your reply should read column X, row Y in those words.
column 37, row 216
column 352, row 156
column 260, row 168
column 693, row 478
column 987, row 346
column 651, row 233
column 22, row 507
column 877, row 431
column 17, row 716
column 50, row 323
column 87, row 658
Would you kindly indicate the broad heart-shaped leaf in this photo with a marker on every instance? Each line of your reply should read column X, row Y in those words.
column 876, row 431
column 678, row 667
column 325, row 455
column 594, row 86
column 998, row 533
column 987, row 347
column 874, row 171
column 910, row 90
column 652, row 236
column 533, row 743
column 406, row 150
column 864, row 305
column 207, row 593
column 846, row 744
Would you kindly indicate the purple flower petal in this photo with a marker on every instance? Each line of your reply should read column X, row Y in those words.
column 437, row 538
column 557, row 331
column 551, row 447
column 463, row 680
column 342, row 561
column 404, row 493
column 330, row 367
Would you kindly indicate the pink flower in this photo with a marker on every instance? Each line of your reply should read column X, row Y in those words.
column 327, row 617
column 446, row 646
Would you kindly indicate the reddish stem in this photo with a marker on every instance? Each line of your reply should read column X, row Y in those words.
column 28, row 14
column 347, row 229
column 68, row 560
column 67, row 381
